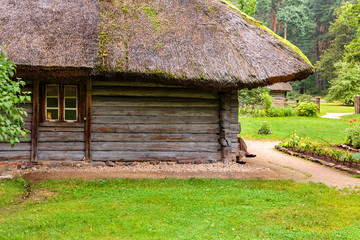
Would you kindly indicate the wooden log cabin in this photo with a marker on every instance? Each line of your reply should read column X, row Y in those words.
column 138, row 80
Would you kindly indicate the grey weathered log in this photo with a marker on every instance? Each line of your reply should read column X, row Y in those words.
column 150, row 92
column 61, row 155
column 157, row 128
column 151, row 137
column 15, row 156
column 152, row 156
column 61, row 137
column 155, row 119
column 17, row 147
column 60, row 129
column 61, row 146
column 99, row 101
column 157, row 146
column 154, row 111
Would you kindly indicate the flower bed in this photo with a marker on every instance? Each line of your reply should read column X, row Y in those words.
column 333, row 156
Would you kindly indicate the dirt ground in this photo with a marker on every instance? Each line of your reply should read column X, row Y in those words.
column 269, row 164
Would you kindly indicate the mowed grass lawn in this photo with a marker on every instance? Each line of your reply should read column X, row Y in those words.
column 331, row 130
column 177, row 209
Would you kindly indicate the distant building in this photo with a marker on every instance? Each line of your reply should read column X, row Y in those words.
column 280, row 90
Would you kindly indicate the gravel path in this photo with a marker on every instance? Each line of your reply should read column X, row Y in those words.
column 335, row 115
column 269, row 164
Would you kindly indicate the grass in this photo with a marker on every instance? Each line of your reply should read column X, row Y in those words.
column 179, row 209
column 317, row 129
column 335, row 108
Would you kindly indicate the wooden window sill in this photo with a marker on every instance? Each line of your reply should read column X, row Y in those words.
column 62, row 124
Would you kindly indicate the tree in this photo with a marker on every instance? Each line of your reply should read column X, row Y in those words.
column 346, row 84
column 344, row 31
column 246, row 6
column 11, row 120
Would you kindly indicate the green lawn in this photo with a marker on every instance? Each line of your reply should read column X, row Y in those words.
column 335, row 108
column 178, row 209
column 331, row 130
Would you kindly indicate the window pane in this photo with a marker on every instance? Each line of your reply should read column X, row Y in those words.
column 70, row 115
column 52, row 102
column 70, row 103
column 52, row 114
column 52, row 90
column 70, row 91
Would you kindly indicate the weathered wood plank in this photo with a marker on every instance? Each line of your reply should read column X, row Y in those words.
column 150, row 156
column 61, row 155
column 88, row 110
column 60, row 129
column 61, row 137
column 61, row 146
column 14, row 155
column 157, row 128
column 146, row 111
column 152, row 102
column 151, row 137
column 157, row 146
column 153, row 92
column 35, row 121
column 133, row 84
column 154, row 119
column 17, row 147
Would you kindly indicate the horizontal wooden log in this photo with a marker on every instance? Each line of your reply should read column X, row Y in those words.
column 152, row 137
column 152, row 102
column 146, row 111
column 157, row 146
column 151, row 156
column 28, row 118
column 153, row 92
column 61, row 137
column 60, row 129
column 61, row 155
column 96, row 83
column 63, row 124
column 14, row 155
column 17, row 147
column 61, row 146
column 157, row 128
column 235, row 128
column 154, row 119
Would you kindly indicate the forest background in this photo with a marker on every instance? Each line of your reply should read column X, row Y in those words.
column 327, row 32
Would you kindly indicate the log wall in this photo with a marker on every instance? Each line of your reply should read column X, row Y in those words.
column 146, row 122
column 21, row 151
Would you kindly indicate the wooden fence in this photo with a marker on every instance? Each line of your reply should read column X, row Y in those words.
column 280, row 102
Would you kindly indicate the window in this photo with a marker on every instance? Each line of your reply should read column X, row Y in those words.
column 61, row 103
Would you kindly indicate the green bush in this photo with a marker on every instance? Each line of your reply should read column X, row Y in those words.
column 265, row 128
column 286, row 111
column 352, row 134
column 307, row 109
column 267, row 102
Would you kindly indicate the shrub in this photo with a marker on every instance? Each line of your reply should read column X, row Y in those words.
column 267, row 102
column 265, row 128
column 304, row 98
column 352, row 134
column 286, row 111
column 307, row 109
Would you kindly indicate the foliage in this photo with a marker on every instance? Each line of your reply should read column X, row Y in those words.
column 246, row 6
column 11, row 120
column 285, row 111
column 343, row 30
column 346, row 84
column 249, row 99
column 307, row 109
column 180, row 209
column 352, row 134
column 265, row 128
column 304, row 98
column 305, row 145
column 267, row 102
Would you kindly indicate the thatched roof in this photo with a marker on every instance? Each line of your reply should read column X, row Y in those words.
column 281, row 87
column 202, row 43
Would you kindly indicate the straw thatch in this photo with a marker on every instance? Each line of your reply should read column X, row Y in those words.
column 202, row 43
column 56, row 33
column 281, row 87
